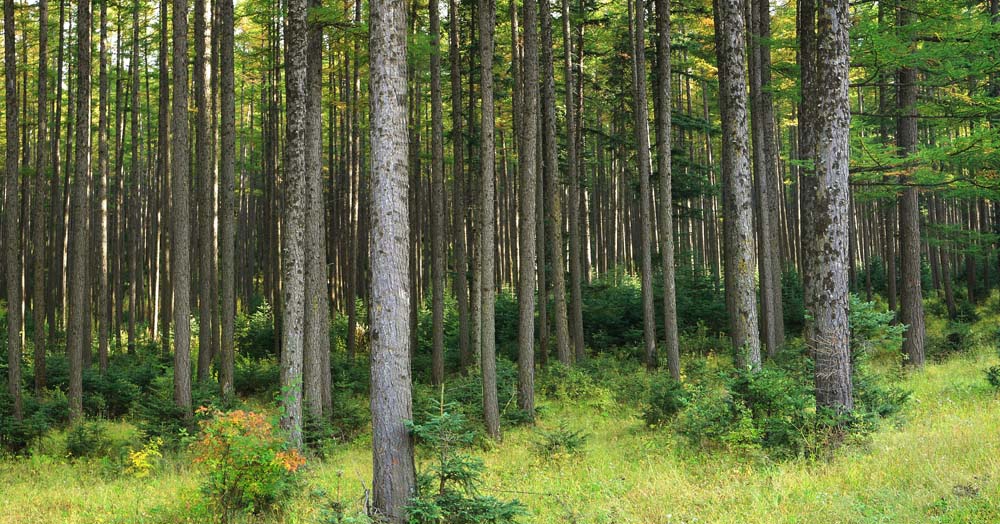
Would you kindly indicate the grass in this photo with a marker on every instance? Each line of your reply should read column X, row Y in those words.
column 938, row 462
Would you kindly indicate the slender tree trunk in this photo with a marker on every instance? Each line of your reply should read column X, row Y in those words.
column 911, row 310
column 103, row 317
column 736, row 174
column 830, row 334
column 553, row 189
column 528, row 180
column 38, row 222
column 163, row 175
column 394, row 478
column 491, row 409
column 438, row 202
column 458, row 173
column 641, row 119
column 663, row 158
column 317, row 311
column 294, row 220
column 78, row 297
column 180, row 247
column 573, row 180
column 227, row 232
column 203, row 174
column 11, row 215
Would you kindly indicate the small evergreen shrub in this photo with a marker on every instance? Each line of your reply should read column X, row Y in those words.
column 448, row 488
column 254, row 333
column 249, row 466
column 993, row 377
column 666, row 398
column 560, row 442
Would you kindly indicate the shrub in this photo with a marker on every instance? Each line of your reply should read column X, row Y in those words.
column 560, row 442
column 86, row 439
column 145, row 460
column 253, row 376
column 666, row 397
column 254, row 333
column 250, row 469
column 40, row 415
column 993, row 376
column 448, row 488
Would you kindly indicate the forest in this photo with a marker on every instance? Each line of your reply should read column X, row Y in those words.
column 479, row 262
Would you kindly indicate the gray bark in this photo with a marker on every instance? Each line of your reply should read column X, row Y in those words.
column 227, row 230
column 437, row 201
column 663, row 144
column 830, row 335
column 553, row 188
column 394, row 477
column 573, row 180
column 12, row 214
column 528, row 175
column 38, row 200
column 293, row 222
column 491, row 409
column 641, row 118
column 740, row 261
column 911, row 311
column 205, row 183
column 180, row 246
column 317, row 310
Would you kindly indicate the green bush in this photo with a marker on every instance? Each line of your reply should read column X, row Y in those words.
column 256, row 376
column 39, row 416
column 560, row 442
column 85, row 439
column 449, row 485
column 993, row 376
column 666, row 398
column 254, row 333
column 249, row 467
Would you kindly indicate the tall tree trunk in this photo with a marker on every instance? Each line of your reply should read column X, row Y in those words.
column 78, row 296
column 458, row 173
column 227, row 231
column 38, row 306
column 830, row 336
column 528, row 179
column 102, row 182
column 765, row 173
column 180, row 247
column 573, row 180
column 911, row 311
column 437, row 202
column 553, row 189
column 12, row 214
column 204, row 183
column 641, row 119
column 663, row 158
column 294, row 220
column 394, row 477
column 736, row 174
column 317, row 312
column 491, row 409
column 163, row 175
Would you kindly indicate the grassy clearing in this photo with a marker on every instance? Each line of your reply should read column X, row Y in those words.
column 937, row 462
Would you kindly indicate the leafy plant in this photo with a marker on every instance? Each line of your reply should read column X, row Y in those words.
column 250, row 468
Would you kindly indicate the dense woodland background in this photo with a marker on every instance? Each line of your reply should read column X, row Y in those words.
column 303, row 207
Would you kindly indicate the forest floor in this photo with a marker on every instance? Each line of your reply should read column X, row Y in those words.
column 938, row 461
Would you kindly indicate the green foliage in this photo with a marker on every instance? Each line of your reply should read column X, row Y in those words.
column 872, row 329
column 793, row 306
column 464, row 394
column 86, row 439
column 993, row 376
column 249, row 467
column 666, row 398
column 39, row 416
column 449, row 486
column 560, row 442
column 254, row 333
column 254, row 376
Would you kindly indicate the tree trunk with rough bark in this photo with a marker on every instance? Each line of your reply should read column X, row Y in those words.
column 394, row 476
